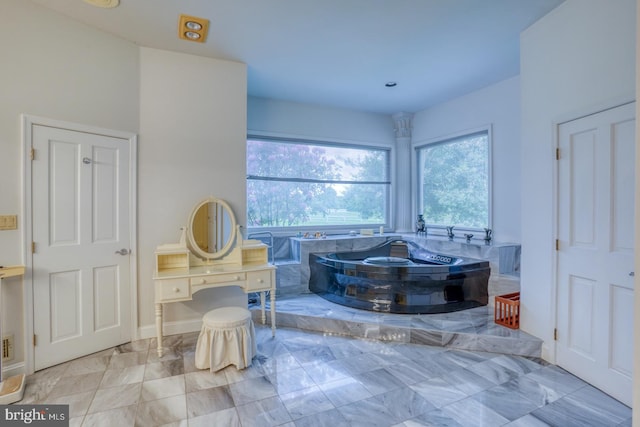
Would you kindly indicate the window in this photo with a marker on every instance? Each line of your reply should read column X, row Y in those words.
column 453, row 181
column 292, row 183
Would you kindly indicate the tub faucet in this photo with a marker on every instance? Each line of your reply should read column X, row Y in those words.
column 450, row 232
column 468, row 236
column 487, row 235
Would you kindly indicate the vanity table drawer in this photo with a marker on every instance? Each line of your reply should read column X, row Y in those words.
column 227, row 278
column 172, row 290
column 259, row 280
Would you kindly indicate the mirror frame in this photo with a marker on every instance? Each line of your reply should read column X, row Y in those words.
column 232, row 238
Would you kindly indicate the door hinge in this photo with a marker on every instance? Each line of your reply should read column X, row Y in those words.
column 33, row 247
column 32, row 154
column 555, row 334
column 35, row 340
column 557, row 244
column 557, row 154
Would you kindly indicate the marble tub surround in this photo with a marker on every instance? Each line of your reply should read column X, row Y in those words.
column 503, row 257
column 472, row 329
column 306, row 379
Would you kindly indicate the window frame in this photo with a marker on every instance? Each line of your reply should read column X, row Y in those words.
column 438, row 229
column 330, row 229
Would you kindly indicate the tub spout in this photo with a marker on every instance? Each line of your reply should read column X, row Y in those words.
column 450, row 234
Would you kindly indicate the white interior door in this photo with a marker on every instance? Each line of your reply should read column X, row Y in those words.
column 80, row 220
column 595, row 256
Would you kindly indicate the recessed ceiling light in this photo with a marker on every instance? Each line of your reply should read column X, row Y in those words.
column 391, row 84
column 192, row 25
column 193, row 28
column 107, row 4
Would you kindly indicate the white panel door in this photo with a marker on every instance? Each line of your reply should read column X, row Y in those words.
column 595, row 256
column 80, row 221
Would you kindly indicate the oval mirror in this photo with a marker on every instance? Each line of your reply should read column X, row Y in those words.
column 212, row 229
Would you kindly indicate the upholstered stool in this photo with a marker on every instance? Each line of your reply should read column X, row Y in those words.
column 227, row 338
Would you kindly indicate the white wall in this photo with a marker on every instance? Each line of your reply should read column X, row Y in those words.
column 499, row 106
column 192, row 145
column 283, row 118
column 189, row 112
column 52, row 67
column 636, row 306
column 576, row 60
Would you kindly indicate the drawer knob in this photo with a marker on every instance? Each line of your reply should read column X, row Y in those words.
column 236, row 278
column 203, row 281
column 176, row 290
column 260, row 281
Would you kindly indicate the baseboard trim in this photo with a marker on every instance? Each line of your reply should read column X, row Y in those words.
column 13, row 369
column 171, row 328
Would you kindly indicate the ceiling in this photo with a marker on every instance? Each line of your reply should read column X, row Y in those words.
column 339, row 53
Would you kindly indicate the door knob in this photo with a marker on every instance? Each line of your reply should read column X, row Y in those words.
column 632, row 274
column 123, row 251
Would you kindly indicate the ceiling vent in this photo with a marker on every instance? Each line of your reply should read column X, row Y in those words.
column 193, row 28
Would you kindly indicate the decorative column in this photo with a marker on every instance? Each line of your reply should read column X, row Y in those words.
column 403, row 208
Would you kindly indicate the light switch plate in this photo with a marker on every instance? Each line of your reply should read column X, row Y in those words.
column 8, row 222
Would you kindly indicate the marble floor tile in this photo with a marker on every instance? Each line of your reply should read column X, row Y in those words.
column 78, row 402
column 404, row 403
column 379, row 381
column 121, row 417
column 265, row 412
column 161, row 412
column 438, row 392
column 330, row 418
column 209, row 400
column 125, row 360
column 492, row 371
column 163, row 369
column 251, row 390
column 345, row 391
column 471, row 413
column 506, row 402
column 367, row 413
column 435, row 418
column 116, row 377
column 467, row 381
column 290, row 380
column 76, row 384
column 115, row 397
column 224, row 418
column 322, row 372
column 204, row 379
column 301, row 378
column 88, row 365
column 306, row 402
column 163, row 387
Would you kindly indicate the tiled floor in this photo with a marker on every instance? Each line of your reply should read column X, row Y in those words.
column 312, row 379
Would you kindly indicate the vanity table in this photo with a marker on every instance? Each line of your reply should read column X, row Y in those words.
column 211, row 254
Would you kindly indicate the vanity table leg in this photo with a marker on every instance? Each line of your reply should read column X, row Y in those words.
column 159, row 327
column 273, row 311
column 262, row 308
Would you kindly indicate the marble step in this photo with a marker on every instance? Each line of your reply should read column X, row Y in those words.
column 472, row 329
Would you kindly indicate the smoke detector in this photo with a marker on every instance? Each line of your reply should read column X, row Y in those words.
column 107, row 4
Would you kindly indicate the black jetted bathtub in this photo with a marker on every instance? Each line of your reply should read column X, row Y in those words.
column 400, row 277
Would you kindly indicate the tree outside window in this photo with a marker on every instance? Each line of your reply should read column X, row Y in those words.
column 453, row 177
column 312, row 184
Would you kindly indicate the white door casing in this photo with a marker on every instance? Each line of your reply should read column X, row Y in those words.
column 82, row 210
column 596, row 249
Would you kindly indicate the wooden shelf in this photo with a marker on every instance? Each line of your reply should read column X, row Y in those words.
column 172, row 261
